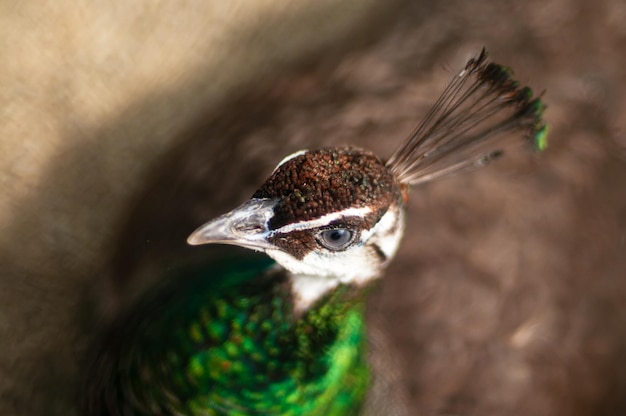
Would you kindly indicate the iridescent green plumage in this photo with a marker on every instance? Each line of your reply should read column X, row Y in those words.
column 541, row 138
column 227, row 342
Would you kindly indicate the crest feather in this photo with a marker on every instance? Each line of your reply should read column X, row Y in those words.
column 481, row 111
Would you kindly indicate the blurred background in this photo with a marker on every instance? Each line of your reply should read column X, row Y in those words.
column 123, row 127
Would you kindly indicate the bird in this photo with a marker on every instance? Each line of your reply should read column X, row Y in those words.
column 278, row 328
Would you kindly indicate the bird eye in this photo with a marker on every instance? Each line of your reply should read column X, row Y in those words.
column 336, row 239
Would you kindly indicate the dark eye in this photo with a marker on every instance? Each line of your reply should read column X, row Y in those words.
column 336, row 239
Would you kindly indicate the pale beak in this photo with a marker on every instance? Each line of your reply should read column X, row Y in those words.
column 245, row 226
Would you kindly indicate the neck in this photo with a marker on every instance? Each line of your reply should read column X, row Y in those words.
column 239, row 344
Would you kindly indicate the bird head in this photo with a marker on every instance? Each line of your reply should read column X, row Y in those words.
column 329, row 216
column 336, row 215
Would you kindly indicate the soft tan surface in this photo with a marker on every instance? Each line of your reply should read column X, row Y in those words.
column 508, row 295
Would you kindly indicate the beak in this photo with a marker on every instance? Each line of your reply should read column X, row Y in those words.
column 245, row 226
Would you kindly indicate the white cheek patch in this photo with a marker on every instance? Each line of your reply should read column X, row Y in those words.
column 308, row 282
column 387, row 234
column 327, row 270
column 292, row 264
column 319, row 272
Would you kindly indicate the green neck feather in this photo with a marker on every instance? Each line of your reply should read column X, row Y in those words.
column 232, row 346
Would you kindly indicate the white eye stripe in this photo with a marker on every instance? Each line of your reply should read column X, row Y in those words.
column 322, row 221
